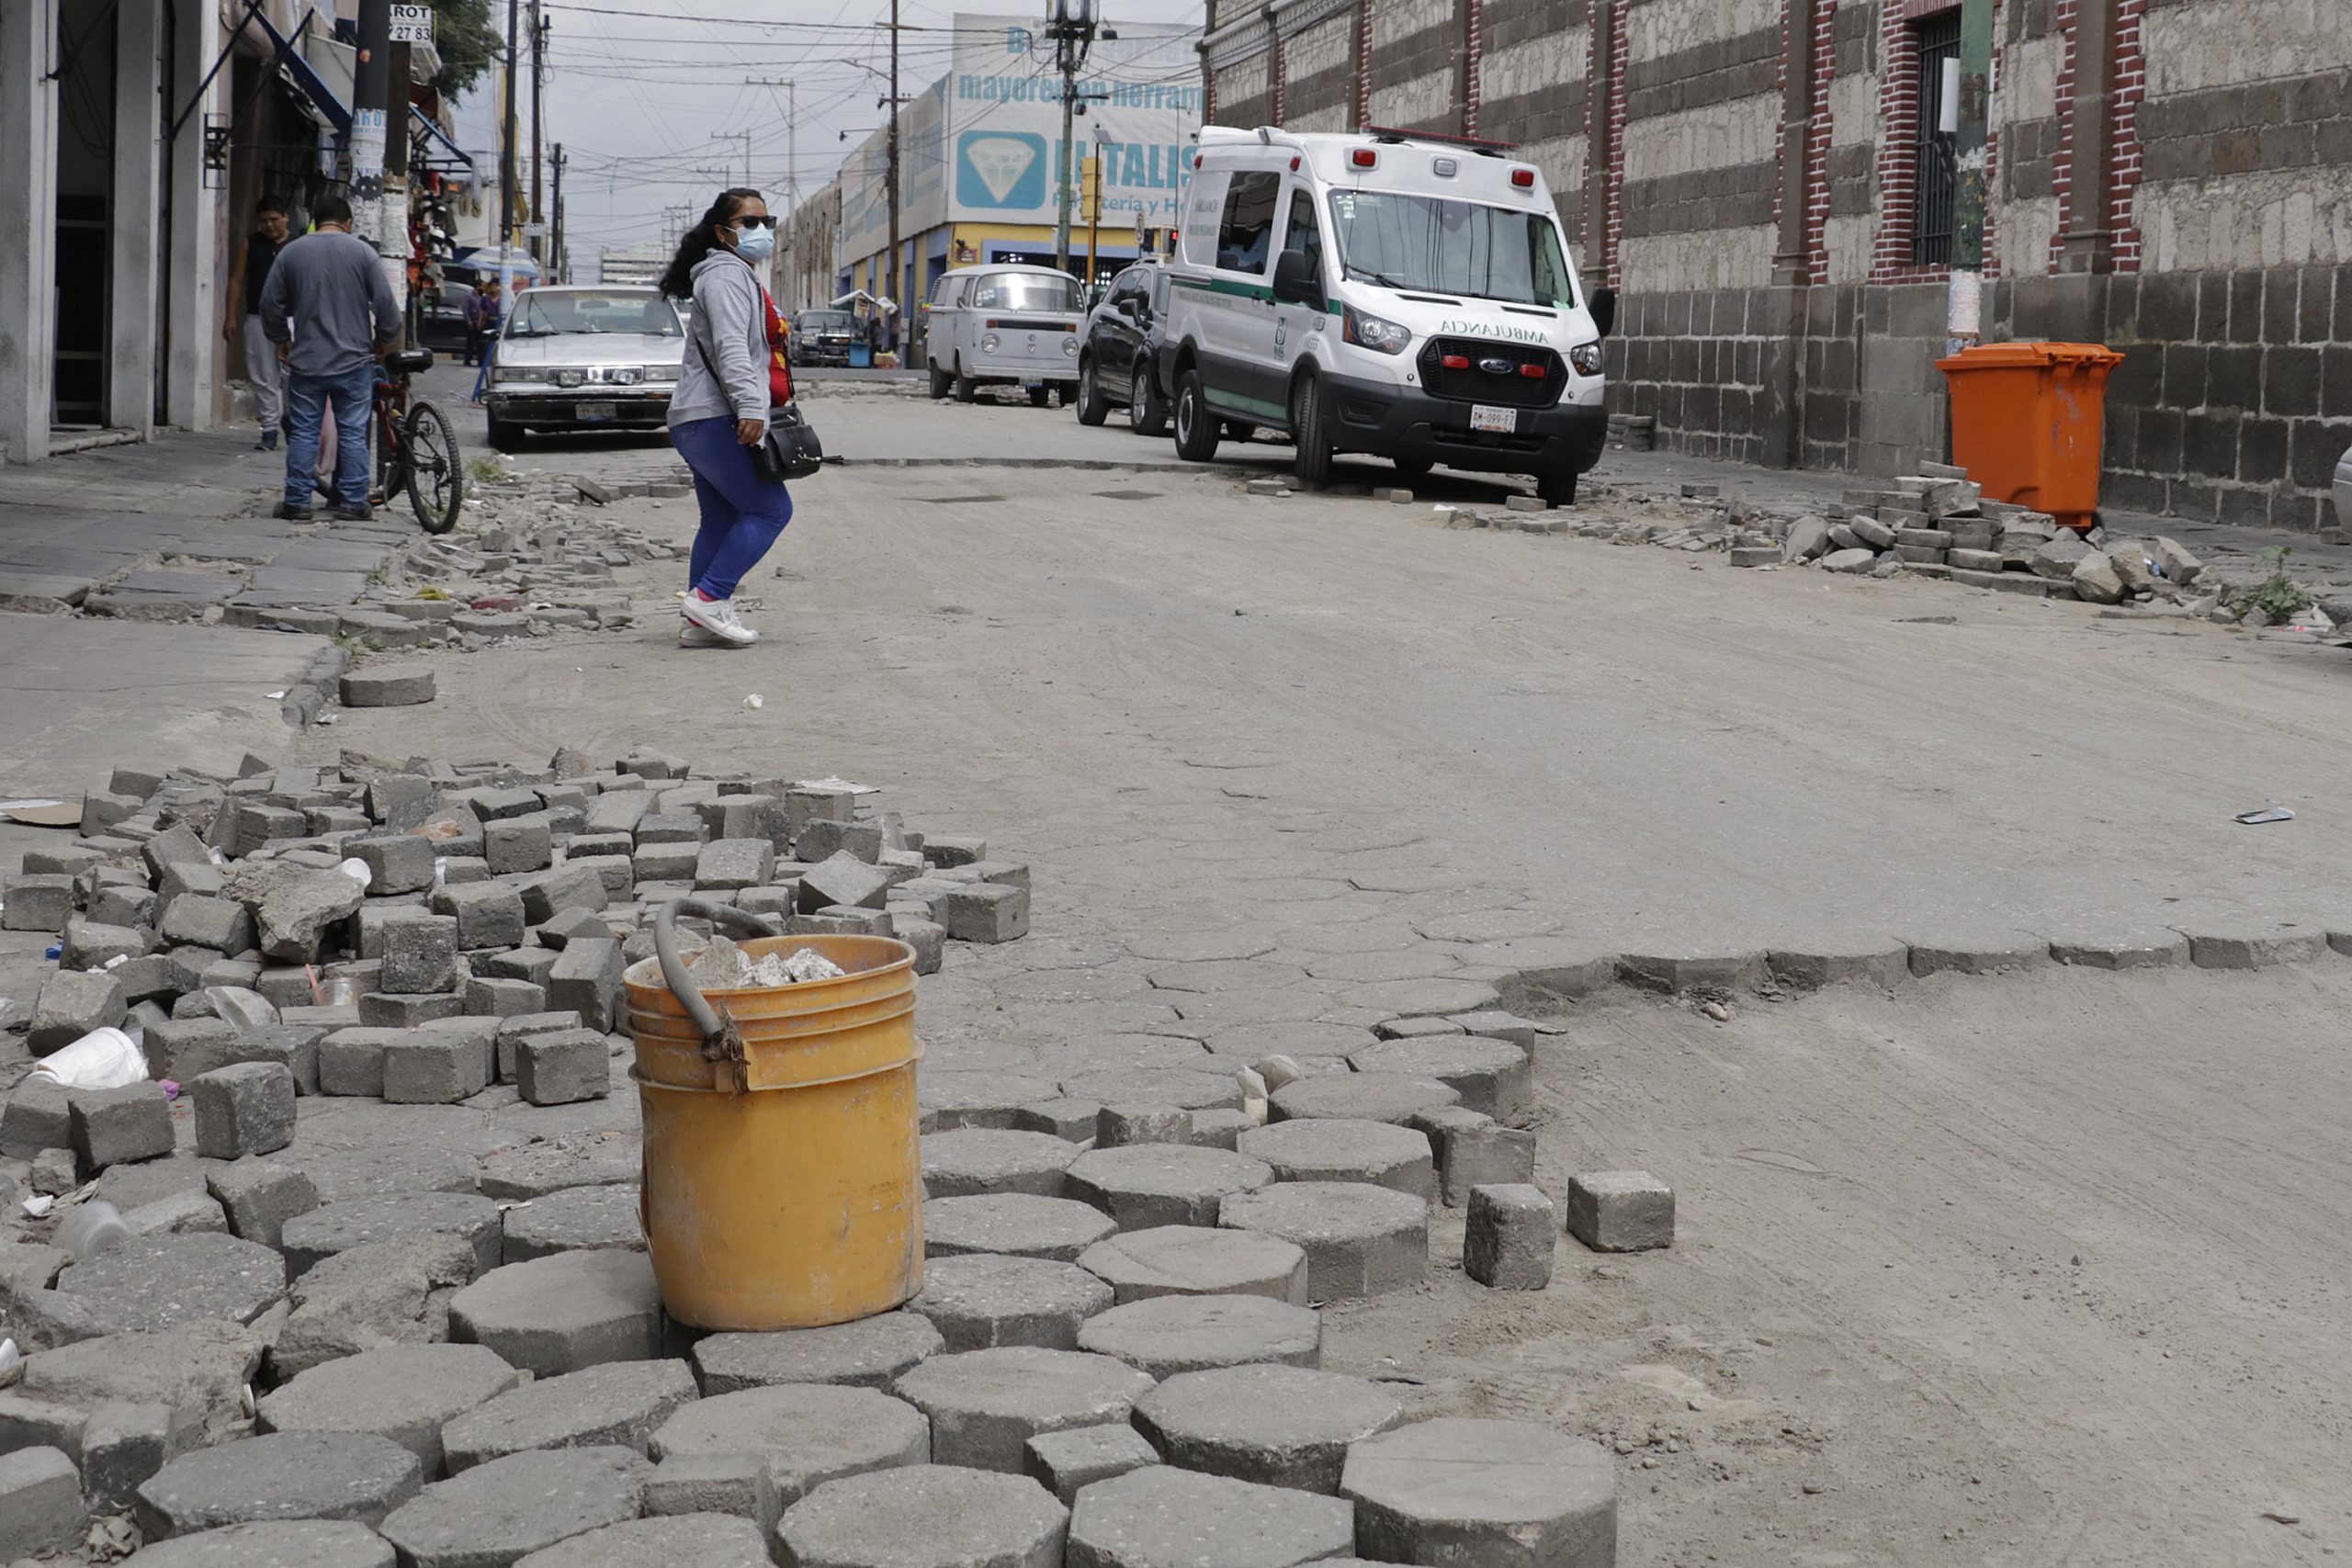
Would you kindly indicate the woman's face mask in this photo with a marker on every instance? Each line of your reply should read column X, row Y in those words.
column 756, row 238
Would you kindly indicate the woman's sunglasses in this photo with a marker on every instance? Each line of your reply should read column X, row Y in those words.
column 765, row 221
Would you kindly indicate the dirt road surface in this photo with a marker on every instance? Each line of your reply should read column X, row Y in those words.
column 2025, row 1270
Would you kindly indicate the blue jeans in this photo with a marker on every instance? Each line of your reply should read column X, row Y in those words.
column 353, row 396
column 742, row 513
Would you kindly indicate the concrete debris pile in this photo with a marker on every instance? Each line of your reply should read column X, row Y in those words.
column 1633, row 432
column 1936, row 524
column 527, row 561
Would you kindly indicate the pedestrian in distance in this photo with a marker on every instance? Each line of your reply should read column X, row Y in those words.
column 328, row 307
column 248, row 276
column 481, row 317
column 735, row 371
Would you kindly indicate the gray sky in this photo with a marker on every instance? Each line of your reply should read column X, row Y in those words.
column 640, row 96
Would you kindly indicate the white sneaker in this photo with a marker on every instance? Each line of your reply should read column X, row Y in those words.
column 693, row 635
column 717, row 617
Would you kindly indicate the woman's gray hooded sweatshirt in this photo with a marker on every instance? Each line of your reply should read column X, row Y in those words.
column 730, row 326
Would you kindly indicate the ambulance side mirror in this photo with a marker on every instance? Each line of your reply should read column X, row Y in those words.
column 1297, row 279
column 1602, row 303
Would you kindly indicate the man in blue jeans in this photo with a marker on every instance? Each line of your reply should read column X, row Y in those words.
column 328, row 307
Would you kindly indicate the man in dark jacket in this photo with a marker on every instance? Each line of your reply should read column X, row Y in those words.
column 328, row 307
column 247, row 277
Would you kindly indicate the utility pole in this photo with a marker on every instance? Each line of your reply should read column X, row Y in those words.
column 538, row 106
column 371, row 95
column 1972, row 106
column 891, row 286
column 506, row 170
column 787, row 229
column 1072, row 27
column 744, row 137
column 791, row 132
column 555, row 245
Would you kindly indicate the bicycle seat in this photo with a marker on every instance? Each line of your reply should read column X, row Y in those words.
column 409, row 361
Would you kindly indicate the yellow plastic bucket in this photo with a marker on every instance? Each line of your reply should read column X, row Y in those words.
column 783, row 1190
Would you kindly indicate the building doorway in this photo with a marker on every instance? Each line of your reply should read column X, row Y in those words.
column 81, row 361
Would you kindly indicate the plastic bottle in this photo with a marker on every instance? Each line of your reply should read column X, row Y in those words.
column 90, row 1230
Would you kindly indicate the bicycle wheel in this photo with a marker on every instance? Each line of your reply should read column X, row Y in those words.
column 437, row 474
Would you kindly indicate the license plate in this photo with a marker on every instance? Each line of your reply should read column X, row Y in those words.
column 1483, row 416
column 612, row 411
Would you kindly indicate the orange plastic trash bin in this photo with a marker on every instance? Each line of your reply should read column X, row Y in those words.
column 2026, row 419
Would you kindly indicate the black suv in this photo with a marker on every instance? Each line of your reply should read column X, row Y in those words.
column 1118, row 360
column 822, row 337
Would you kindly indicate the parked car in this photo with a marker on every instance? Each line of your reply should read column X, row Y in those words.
column 822, row 337
column 1003, row 324
column 1118, row 357
column 1382, row 293
column 585, row 358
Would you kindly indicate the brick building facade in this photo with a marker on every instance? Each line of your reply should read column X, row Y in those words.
column 1763, row 183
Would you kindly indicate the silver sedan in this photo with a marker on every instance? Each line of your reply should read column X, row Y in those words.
column 585, row 358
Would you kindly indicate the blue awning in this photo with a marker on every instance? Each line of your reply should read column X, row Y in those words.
column 330, row 111
column 435, row 133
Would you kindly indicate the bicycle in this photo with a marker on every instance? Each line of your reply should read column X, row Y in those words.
column 416, row 451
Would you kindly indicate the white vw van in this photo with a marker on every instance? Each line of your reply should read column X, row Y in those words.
column 1003, row 322
column 1382, row 292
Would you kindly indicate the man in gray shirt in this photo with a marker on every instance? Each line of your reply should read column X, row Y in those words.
column 330, row 310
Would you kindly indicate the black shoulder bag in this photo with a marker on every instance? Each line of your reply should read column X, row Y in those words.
column 788, row 448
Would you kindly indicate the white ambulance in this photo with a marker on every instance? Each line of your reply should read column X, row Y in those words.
column 1383, row 292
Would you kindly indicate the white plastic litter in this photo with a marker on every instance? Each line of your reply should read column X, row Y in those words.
column 93, row 1228
column 357, row 870
column 1253, row 1094
column 1278, row 1070
column 12, row 1362
column 104, row 1058
column 837, row 786
column 755, row 701
column 39, row 1206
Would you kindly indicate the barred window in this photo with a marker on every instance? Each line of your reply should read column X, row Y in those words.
column 1934, row 40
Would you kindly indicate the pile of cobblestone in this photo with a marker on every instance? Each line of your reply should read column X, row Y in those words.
column 1937, row 525
column 337, row 1332
column 1934, row 524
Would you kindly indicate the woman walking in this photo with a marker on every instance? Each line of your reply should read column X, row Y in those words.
column 734, row 372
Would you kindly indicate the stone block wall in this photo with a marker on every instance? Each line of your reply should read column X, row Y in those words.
column 2170, row 177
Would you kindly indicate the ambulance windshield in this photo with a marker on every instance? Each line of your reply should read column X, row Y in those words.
column 1432, row 246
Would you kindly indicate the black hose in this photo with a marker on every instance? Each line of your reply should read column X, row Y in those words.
column 707, row 1019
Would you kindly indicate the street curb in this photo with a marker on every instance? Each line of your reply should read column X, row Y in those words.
column 322, row 677
column 1582, row 977
column 1091, row 465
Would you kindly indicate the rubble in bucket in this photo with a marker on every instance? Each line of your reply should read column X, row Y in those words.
column 723, row 967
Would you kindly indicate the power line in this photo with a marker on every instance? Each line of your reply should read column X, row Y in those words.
column 867, row 27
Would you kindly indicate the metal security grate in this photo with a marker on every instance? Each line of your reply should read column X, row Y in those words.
column 1938, row 39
